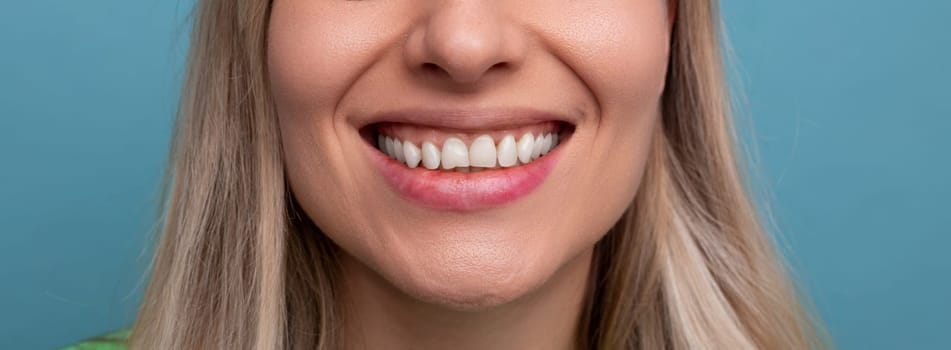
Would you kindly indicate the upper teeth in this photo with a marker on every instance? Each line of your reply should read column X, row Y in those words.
column 484, row 152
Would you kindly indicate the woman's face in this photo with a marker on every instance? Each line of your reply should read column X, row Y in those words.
column 460, row 84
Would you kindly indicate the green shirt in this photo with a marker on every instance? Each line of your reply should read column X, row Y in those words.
column 112, row 341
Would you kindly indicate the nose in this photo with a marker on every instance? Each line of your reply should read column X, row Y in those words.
column 464, row 42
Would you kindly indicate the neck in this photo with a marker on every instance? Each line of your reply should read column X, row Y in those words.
column 379, row 316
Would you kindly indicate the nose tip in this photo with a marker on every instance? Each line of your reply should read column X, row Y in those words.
column 463, row 43
column 463, row 59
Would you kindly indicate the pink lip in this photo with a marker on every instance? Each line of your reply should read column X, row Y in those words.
column 466, row 119
column 449, row 190
column 445, row 190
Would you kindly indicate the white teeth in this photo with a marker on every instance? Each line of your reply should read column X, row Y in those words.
column 411, row 154
column 431, row 156
column 393, row 149
column 525, row 146
column 398, row 150
column 537, row 148
column 507, row 154
column 482, row 152
column 454, row 154
column 546, row 144
column 389, row 148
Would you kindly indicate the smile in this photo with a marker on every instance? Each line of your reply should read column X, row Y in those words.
column 410, row 145
column 447, row 165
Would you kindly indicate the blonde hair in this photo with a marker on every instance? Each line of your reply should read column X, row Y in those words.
column 689, row 266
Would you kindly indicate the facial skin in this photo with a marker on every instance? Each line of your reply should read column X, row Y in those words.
column 335, row 64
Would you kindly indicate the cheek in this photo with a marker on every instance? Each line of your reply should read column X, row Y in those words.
column 309, row 71
column 309, row 75
column 621, row 56
column 619, row 51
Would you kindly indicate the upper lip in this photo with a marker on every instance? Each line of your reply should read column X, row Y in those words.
column 469, row 119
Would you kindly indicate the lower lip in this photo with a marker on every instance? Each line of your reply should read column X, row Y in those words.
column 450, row 190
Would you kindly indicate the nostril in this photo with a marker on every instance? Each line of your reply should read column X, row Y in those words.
column 432, row 68
column 435, row 70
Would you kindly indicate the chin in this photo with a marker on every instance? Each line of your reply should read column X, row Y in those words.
column 472, row 289
column 468, row 275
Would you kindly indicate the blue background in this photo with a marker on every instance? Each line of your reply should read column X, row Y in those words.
column 849, row 100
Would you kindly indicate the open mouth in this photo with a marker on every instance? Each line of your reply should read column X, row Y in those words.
column 464, row 169
column 454, row 150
